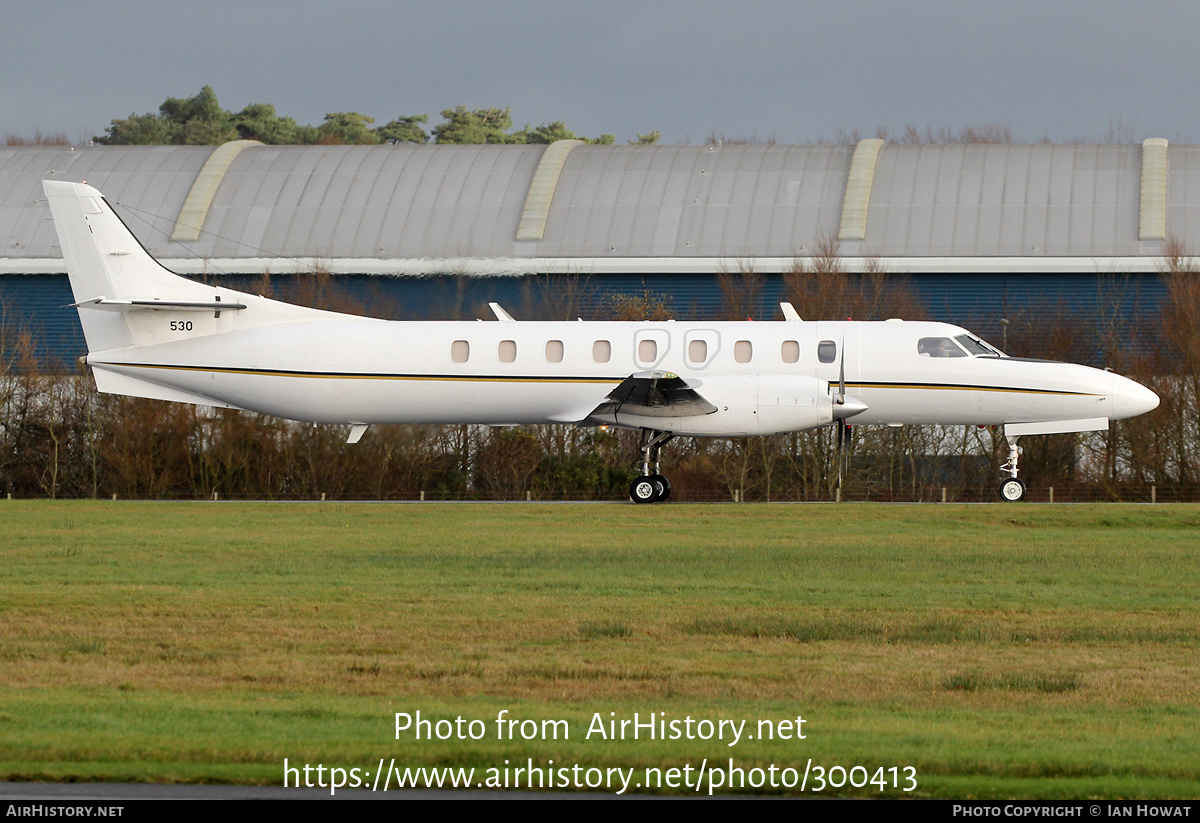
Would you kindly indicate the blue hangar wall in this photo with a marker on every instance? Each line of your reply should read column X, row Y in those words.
column 992, row 305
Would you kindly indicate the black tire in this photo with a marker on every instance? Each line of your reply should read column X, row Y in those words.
column 1012, row 490
column 643, row 490
column 664, row 487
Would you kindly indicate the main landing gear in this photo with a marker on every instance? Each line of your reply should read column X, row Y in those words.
column 651, row 487
column 1012, row 489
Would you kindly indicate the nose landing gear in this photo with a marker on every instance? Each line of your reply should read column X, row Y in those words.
column 1012, row 489
column 651, row 487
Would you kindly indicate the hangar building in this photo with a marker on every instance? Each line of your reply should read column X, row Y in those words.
column 983, row 232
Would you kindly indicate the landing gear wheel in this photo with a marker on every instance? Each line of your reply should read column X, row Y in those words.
column 651, row 487
column 1012, row 490
column 644, row 490
column 664, row 487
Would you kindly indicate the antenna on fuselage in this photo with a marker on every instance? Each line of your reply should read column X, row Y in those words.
column 501, row 314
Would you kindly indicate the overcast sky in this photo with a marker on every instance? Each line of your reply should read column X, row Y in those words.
column 792, row 71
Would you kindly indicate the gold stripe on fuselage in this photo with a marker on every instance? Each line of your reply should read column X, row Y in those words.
column 958, row 387
column 473, row 378
column 478, row 378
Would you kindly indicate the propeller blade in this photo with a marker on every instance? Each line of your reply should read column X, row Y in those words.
column 841, row 437
column 841, row 398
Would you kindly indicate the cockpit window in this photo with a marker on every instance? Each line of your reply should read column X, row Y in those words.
column 992, row 351
column 975, row 347
column 938, row 347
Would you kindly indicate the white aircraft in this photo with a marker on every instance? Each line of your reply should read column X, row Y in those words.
column 151, row 333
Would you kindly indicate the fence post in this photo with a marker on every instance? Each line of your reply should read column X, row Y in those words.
column 1153, row 493
column 1051, row 494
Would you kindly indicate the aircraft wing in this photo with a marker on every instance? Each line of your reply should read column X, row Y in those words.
column 651, row 394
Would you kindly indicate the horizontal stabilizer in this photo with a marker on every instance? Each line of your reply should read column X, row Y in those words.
column 107, row 304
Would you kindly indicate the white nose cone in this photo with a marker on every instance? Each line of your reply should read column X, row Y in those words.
column 1131, row 399
column 849, row 407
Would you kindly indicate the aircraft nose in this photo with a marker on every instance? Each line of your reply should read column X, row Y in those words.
column 1131, row 398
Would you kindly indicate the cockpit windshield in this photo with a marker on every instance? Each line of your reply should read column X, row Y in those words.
column 977, row 347
column 938, row 347
column 961, row 346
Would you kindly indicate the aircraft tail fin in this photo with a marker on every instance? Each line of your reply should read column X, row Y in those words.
column 117, row 284
column 105, row 262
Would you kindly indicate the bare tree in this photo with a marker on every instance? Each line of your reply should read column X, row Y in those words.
column 741, row 291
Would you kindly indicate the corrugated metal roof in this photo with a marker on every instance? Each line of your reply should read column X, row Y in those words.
column 695, row 201
column 155, row 180
column 1026, row 201
column 370, row 202
column 659, row 208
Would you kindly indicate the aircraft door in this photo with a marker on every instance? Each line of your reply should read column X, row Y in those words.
column 650, row 347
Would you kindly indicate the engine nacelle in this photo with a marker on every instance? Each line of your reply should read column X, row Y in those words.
column 749, row 405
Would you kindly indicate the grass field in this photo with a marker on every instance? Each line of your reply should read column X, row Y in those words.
column 1000, row 651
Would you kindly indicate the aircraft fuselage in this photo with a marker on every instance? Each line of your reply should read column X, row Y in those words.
column 763, row 377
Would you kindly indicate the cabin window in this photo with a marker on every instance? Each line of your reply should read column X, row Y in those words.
column 743, row 351
column 508, row 351
column 554, row 351
column 460, row 351
column 827, row 351
column 647, row 351
column 602, row 351
column 790, row 351
column 938, row 347
column 698, row 351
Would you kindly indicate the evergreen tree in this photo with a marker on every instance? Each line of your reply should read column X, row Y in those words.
column 193, row 121
column 464, row 127
column 200, row 120
column 258, row 121
column 347, row 128
column 404, row 130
